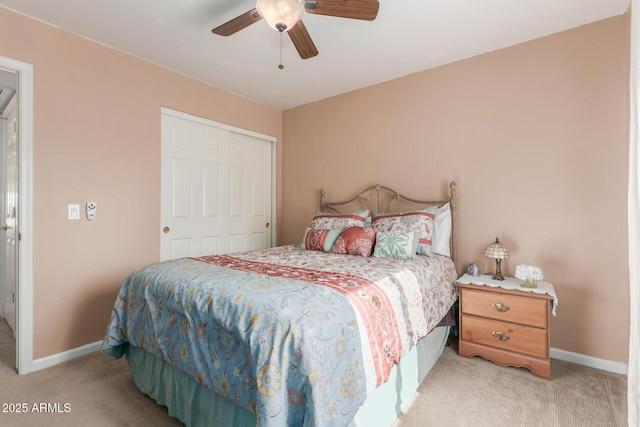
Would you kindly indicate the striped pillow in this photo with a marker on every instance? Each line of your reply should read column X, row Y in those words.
column 319, row 240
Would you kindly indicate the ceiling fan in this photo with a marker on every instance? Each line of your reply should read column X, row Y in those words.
column 285, row 15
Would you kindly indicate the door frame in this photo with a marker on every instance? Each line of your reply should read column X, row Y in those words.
column 24, row 287
column 272, row 139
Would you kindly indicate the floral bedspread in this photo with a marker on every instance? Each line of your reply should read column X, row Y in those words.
column 297, row 337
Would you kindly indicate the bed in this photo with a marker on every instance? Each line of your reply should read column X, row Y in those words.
column 339, row 330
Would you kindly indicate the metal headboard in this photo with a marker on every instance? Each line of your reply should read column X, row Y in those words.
column 379, row 198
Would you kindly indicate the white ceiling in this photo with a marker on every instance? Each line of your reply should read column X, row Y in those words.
column 407, row 36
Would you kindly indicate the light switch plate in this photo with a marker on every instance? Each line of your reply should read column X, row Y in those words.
column 74, row 211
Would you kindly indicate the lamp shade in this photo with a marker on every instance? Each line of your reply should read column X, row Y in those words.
column 497, row 250
column 281, row 15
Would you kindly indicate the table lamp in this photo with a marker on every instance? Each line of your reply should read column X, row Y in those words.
column 498, row 251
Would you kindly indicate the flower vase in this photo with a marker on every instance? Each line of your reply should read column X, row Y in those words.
column 529, row 283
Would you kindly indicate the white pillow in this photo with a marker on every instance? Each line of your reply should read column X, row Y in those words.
column 442, row 231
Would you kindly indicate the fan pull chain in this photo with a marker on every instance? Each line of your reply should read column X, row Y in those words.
column 280, row 66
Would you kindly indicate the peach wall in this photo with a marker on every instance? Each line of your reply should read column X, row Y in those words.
column 536, row 135
column 97, row 138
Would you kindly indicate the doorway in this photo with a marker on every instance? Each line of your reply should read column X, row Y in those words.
column 20, row 213
column 8, row 203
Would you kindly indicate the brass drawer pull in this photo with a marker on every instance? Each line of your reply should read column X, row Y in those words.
column 500, row 307
column 500, row 336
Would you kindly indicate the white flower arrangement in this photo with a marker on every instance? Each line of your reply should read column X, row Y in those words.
column 528, row 275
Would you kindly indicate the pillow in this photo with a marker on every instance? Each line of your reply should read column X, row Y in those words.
column 401, row 245
column 355, row 241
column 319, row 240
column 421, row 222
column 330, row 221
column 442, row 231
column 363, row 213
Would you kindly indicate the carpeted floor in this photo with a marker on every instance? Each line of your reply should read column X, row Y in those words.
column 97, row 390
column 462, row 392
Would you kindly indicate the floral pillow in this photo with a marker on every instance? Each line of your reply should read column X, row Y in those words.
column 319, row 240
column 355, row 241
column 422, row 222
column 401, row 245
column 329, row 221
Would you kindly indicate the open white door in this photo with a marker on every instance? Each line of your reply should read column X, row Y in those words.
column 9, row 210
column 216, row 191
column 24, row 220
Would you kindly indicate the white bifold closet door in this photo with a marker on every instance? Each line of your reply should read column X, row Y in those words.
column 216, row 190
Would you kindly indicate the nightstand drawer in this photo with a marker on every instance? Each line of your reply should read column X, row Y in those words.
column 524, row 310
column 511, row 337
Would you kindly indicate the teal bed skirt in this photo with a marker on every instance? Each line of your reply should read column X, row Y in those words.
column 196, row 406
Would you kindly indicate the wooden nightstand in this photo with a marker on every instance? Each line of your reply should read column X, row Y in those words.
column 504, row 324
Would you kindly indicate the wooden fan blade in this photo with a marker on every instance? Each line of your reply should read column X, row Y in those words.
column 237, row 24
column 366, row 10
column 302, row 41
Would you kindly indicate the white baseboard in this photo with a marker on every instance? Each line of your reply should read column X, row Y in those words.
column 65, row 356
column 567, row 356
column 592, row 362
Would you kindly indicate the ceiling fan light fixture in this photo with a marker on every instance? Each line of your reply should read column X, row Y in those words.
column 281, row 15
